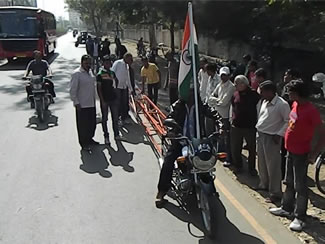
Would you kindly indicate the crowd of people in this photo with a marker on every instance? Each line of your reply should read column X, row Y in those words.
column 278, row 124
column 276, row 121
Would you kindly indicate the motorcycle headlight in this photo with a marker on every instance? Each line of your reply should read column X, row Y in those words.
column 204, row 165
column 37, row 86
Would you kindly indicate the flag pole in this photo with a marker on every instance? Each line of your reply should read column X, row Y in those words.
column 190, row 11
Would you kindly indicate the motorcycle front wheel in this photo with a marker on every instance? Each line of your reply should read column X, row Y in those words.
column 39, row 111
column 208, row 209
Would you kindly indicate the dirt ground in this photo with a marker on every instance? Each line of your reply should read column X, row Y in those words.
column 315, row 229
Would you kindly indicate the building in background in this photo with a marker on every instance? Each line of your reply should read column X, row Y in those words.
column 75, row 19
column 29, row 3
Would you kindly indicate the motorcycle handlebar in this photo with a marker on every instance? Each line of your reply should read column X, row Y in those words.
column 29, row 77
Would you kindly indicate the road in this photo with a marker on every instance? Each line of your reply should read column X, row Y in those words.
column 51, row 192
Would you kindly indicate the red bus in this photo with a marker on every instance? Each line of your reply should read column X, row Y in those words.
column 25, row 29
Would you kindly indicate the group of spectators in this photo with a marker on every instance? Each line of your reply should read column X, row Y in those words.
column 97, row 49
column 276, row 121
column 115, row 80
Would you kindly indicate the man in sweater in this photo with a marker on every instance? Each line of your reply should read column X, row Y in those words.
column 244, row 118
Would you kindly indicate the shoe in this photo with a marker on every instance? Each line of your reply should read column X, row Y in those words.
column 253, row 172
column 280, row 212
column 93, row 142
column 86, row 148
column 128, row 120
column 160, row 201
column 120, row 123
column 119, row 138
column 297, row 225
column 272, row 199
column 226, row 164
column 237, row 170
column 107, row 142
column 260, row 188
column 52, row 100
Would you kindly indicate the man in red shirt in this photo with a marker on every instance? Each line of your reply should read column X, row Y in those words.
column 304, row 124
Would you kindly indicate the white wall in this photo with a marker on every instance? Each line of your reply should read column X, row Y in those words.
column 225, row 49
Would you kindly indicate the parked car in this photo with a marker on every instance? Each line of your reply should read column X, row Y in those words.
column 82, row 38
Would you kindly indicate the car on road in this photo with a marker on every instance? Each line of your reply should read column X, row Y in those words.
column 82, row 38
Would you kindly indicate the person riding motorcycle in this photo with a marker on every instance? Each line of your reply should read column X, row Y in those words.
column 39, row 66
column 183, row 112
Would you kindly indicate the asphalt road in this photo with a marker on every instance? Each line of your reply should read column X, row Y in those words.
column 51, row 192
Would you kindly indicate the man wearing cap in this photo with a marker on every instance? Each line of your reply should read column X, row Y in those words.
column 273, row 117
column 108, row 95
column 220, row 100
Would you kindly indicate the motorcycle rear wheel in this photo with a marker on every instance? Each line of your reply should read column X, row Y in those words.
column 319, row 175
column 209, row 214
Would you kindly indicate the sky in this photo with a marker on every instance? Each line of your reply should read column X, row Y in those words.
column 54, row 6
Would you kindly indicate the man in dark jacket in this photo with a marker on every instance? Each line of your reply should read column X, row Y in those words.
column 183, row 112
column 105, row 48
column 244, row 119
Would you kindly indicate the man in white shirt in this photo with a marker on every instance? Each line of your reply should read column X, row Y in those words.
column 203, row 78
column 82, row 93
column 273, row 118
column 96, row 55
column 213, row 81
column 220, row 100
column 121, row 70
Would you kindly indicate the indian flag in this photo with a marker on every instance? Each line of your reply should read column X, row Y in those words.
column 186, row 73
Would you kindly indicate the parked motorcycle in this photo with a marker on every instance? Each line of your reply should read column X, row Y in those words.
column 41, row 96
column 194, row 172
column 141, row 50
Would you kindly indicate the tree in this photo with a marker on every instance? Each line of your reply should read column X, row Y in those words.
column 92, row 11
column 173, row 15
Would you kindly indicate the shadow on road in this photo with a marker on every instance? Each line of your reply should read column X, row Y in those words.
column 95, row 162
column 134, row 133
column 121, row 157
column 21, row 64
column 227, row 231
column 50, row 121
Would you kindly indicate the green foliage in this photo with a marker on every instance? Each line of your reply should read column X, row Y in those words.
column 92, row 11
column 268, row 22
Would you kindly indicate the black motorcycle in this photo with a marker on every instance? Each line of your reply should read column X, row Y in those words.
column 81, row 39
column 194, row 172
column 141, row 50
column 40, row 95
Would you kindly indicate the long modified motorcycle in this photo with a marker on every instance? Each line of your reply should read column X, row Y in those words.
column 194, row 172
